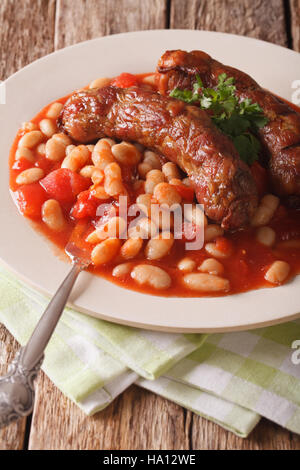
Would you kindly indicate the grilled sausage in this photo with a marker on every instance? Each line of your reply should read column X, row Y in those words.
column 183, row 134
column 280, row 137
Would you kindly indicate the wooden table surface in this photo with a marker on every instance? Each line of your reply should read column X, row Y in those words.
column 138, row 419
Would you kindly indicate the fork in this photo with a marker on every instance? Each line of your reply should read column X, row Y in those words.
column 16, row 388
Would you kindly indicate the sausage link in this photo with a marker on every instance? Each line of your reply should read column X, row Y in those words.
column 183, row 134
column 280, row 137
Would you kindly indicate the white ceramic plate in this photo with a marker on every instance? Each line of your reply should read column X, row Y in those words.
column 29, row 255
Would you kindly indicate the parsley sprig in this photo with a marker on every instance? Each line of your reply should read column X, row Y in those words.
column 239, row 120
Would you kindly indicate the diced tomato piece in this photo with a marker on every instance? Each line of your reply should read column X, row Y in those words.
column 223, row 244
column 64, row 184
column 22, row 164
column 185, row 192
column 85, row 206
column 261, row 178
column 125, row 80
column 29, row 199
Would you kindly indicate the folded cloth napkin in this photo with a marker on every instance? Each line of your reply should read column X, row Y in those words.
column 232, row 379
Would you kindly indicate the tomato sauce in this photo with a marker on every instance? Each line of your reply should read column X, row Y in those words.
column 245, row 268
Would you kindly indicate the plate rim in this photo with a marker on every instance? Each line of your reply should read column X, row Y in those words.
column 115, row 318
column 150, row 31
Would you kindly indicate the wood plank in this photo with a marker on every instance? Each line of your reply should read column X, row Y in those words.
column 12, row 437
column 254, row 18
column 263, row 20
column 295, row 23
column 132, row 421
column 78, row 20
column 26, row 33
column 266, row 436
column 112, row 428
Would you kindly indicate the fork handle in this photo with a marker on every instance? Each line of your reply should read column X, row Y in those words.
column 42, row 333
column 16, row 388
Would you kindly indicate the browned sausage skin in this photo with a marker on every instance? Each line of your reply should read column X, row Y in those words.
column 280, row 137
column 184, row 134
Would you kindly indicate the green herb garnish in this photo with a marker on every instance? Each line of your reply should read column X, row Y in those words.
column 239, row 120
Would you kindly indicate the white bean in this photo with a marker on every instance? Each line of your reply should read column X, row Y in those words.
column 30, row 176
column 29, row 126
column 52, row 215
column 69, row 149
column 54, row 110
column 104, row 141
column 212, row 266
column 114, row 227
column 277, row 272
column 165, row 193
column 202, row 282
column 87, row 171
column 265, row 210
column 113, row 171
column 100, row 82
column 97, row 175
column 153, row 178
column 24, row 152
column 99, row 192
column 213, row 251
column 187, row 182
column 121, row 270
column 48, row 127
column 160, row 246
column 145, row 228
column 31, row 139
column 126, row 153
column 143, row 169
column 62, row 138
column 91, row 148
column 146, row 274
column 131, row 248
column 266, row 236
column 186, row 265
column 162, row 217
column 77, row 158
column 152, row 159
column 55, row 150
column 170, row 170
column 93, row 237
column 105, row 251
column 114, row 187
column 144, row 203
column 212, row 232
column 41, row 149
column 175, row 181
column 102, row 154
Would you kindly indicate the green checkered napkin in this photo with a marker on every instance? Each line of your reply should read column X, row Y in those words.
column 231, row 379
